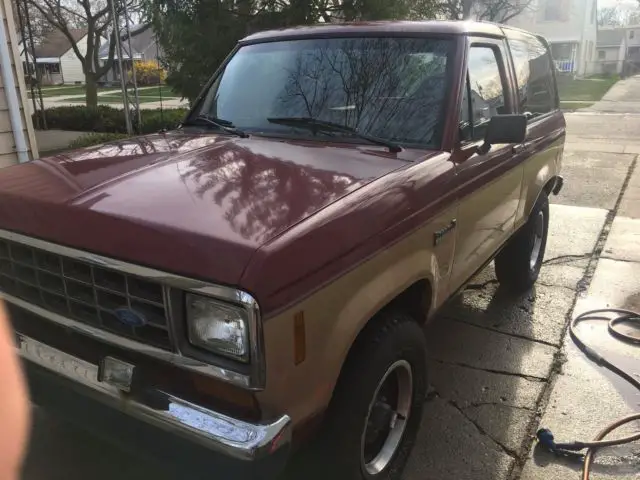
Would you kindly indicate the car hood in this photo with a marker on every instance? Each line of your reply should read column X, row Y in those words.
column 193, row 203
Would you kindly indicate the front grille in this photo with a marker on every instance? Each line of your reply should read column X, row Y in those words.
column 84, row 292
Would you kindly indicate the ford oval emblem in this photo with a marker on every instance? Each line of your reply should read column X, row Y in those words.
column 130, row 317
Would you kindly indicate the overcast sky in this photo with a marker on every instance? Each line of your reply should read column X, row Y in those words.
column 611, row 3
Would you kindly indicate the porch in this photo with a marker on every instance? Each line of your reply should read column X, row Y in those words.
column 565, row 56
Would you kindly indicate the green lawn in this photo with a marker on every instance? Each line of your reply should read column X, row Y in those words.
column 164, row 90
column 117, row 98
column 59, row 91
column 584, row 89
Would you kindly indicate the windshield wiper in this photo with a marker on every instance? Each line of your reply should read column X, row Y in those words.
column 225, row 125
column 315, row 124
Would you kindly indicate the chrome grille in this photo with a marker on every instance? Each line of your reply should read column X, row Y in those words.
column 85, row 292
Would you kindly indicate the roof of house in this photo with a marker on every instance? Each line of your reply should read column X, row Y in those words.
column 610, row 37
column 57, row 44
column 143, row 42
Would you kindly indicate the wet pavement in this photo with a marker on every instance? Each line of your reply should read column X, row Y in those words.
column 500, row 366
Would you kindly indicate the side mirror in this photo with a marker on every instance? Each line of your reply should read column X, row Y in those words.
column 509, row 128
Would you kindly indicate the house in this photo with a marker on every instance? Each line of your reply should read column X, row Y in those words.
column 55, row 58
column 569, row 26
column 17, row 137
column 144, row 47
column 611, row 50
column 618, row 49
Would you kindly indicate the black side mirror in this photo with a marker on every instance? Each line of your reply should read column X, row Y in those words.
column 511, row 128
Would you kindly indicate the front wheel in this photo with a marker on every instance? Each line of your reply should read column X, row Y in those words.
column 518, row 264
column 376, row 409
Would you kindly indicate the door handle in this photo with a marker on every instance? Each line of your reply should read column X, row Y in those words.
column 518, row 148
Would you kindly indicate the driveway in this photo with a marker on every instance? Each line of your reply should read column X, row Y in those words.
column 497, row 364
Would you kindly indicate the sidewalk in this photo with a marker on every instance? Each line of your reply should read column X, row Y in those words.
column 623, row 97
column 585, row 398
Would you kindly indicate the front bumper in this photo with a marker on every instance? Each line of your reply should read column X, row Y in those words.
column 233, row 448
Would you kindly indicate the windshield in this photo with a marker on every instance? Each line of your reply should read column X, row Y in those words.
column 392, row 89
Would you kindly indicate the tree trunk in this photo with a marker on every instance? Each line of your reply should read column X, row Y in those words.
column 91, row 90
column 466, row 9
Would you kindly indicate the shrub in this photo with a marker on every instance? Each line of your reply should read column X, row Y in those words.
column 148, row 73
column 105, row 119
column 95, row 138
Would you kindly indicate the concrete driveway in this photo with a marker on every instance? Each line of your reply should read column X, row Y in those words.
column 498, row 365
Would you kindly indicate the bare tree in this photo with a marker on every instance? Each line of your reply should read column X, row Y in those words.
column 499, row 11
column 96, row 16
column 609, row 17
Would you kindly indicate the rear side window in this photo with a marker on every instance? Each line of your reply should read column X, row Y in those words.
column 533, row 67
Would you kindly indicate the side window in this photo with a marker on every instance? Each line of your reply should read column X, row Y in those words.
column 484, row 92
column 520, row 55
column 534, row 74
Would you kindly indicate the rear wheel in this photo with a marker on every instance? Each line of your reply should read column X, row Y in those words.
column 518, row 264
column 376, row 409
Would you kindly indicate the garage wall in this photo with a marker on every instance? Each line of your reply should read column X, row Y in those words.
column 8, row 154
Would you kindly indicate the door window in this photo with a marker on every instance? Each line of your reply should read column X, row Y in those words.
column 533, row 66
column 484, row 93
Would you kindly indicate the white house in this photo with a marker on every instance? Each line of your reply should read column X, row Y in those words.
column 618, row 49
column 571, row 28
column 611, row 50
column 56, row 60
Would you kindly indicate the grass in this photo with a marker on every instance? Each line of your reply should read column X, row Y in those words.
column 59, row 91
column 569, row 105
column 165, row 91
column 574, row 90
column 115, row 99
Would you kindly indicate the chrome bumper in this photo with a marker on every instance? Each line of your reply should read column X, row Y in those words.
column 217, row 432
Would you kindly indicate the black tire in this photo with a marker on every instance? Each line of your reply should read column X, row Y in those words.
column 515, row 267
column 393, row 339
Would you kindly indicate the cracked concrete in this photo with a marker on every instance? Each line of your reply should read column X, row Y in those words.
column 451, row 446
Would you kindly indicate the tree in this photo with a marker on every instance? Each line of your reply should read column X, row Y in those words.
column 500, row 11
column 196, row 35
column 609, row 17
column 96, row 16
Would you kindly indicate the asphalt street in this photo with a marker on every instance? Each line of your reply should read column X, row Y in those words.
column 499, row 365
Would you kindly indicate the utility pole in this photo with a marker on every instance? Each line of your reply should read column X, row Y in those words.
column 123, row 82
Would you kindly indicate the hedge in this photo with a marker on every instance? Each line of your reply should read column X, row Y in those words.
column 105, row 119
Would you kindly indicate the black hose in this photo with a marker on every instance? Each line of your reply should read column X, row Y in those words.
column 545, row 437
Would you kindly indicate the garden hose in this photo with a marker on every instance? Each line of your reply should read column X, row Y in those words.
column 545, row 437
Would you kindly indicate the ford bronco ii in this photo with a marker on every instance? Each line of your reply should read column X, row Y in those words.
column 258, row 279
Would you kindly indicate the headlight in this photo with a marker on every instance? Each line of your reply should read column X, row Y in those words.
column 219, row 327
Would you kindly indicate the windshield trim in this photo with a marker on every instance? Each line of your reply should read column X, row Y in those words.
column 450, row 72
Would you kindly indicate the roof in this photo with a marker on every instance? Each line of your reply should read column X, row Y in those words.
column 143, row 42
column 610, row 37
column 382, row 27
column 56, row 43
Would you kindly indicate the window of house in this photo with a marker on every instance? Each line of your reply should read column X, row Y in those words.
column 534, row 73
column 601, row 54
column 52, row 68
column 484, row 93
column 631, row 34
column 557, row 10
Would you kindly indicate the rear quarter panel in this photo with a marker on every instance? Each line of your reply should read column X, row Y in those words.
column 545, row 142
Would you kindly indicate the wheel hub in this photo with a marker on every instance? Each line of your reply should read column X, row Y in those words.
column 387, row 419
column 538, row 235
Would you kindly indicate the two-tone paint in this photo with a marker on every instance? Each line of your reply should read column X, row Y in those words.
column 333, row 232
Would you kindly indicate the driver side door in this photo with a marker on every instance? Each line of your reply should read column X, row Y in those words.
column 488, row 183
